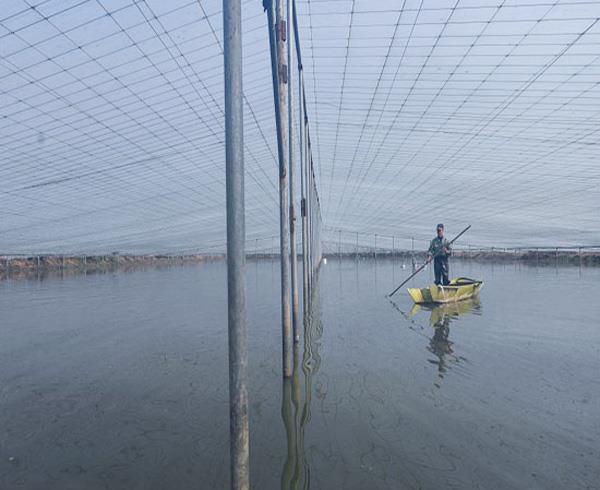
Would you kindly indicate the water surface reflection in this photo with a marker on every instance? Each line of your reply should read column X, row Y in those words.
column 295, row 405
column 120, row 381
column 440, row 318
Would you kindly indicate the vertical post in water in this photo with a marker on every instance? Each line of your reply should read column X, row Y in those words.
column 284, row 198
column 375, row 248
column 307, row 200
column 291, row 146
column 304, row 147
column 313, row 224
column 356, row 245
column 277, row 38
column 302, row 137
column 236, row 235
column 309, row 206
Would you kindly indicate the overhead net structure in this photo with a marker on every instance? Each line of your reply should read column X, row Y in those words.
column 455, row 111
column 112, row 127
column 422, row 111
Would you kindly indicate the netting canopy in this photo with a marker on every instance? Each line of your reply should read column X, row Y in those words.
column 112, row 126
column 422, row 111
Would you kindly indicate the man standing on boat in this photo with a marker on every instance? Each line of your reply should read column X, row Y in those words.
column 439, row 251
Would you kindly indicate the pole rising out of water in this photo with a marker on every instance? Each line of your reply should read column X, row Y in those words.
column 291, row 148
column 277, row 38
column 236, row 234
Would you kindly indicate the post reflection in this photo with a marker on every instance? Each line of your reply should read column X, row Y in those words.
column 289, row 414
column 296, row 403
column 440, row 318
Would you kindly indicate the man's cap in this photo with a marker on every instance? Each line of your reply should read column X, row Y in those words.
column 440, row 226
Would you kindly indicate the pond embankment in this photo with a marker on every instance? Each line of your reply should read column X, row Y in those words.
column 25, row 265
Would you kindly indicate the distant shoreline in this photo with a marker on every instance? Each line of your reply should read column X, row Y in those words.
column 13, row 266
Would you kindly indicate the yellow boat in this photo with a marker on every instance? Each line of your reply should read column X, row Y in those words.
column 459, row 289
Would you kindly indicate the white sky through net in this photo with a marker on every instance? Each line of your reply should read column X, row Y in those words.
column 421, row 111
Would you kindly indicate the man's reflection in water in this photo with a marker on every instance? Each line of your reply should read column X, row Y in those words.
column 439, row 345
column 440, row 319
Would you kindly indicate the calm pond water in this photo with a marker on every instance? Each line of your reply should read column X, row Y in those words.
column 120, row 381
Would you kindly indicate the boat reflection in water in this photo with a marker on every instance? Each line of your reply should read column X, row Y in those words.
column 440, row 318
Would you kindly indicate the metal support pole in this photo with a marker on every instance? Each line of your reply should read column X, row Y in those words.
column 309, row 219
column 309, row 241
column 313, row 222
column 357, row 245
column 236, row 256
column 308, row 210
column 291, row 147
column 375, row 248
column 277, row 38
column 340, row 244
column 312, row 227
column 302, row 138
column 303, row 147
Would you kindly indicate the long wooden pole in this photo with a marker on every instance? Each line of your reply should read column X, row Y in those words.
column 423, row 266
